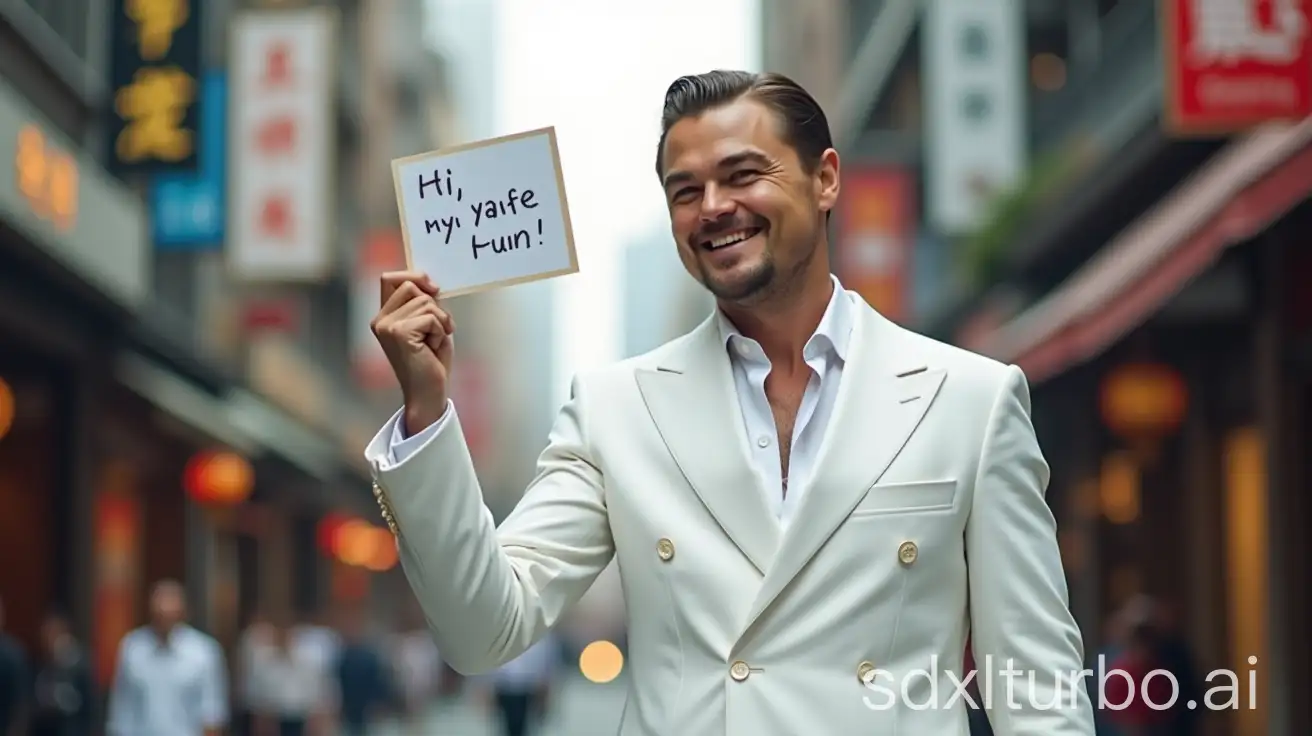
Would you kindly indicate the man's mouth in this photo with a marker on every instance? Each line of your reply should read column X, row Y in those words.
column 729, row 239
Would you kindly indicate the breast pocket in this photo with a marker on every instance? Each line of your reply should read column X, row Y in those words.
column 907, row 498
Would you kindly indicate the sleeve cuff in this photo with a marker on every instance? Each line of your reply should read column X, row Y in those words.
column 401, row 448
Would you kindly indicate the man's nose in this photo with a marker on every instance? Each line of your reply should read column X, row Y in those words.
column 716, row 204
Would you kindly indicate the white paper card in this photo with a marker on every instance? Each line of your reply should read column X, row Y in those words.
column 487, row 214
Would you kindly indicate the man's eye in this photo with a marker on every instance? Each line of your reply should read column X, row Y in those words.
column 743, row 176
column 683, row 195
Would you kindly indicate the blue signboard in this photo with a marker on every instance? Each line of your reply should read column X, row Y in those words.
column 187, row 209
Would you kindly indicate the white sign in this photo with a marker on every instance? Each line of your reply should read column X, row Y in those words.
column 975, row 82
column 280, row 175
column 486, row 214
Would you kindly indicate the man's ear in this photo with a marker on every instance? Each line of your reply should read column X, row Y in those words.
column 827, row 180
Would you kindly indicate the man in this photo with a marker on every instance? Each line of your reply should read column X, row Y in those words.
column 170, row 679
column 521, row 688
column 811, row 507
column 363, row 687
column 64, row 692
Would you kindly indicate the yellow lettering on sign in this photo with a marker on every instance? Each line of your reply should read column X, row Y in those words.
column 153, row 106
column 157, row 21
column 47, row 178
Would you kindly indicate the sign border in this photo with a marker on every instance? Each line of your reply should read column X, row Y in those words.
column 550, row 132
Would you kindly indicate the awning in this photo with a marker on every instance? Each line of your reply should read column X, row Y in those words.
column 199, row 409
column 1238, row 193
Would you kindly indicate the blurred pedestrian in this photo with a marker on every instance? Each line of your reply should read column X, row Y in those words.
column 63, row 693
column 14, row 679
column 291, row 693
column 170, row 679
column 521, row 688
column 257, row 636
column 417, row 670
column 1134, row 690
column 363, row 686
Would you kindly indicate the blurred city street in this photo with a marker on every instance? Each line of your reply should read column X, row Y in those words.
column 578, row 708
column 1108, row 201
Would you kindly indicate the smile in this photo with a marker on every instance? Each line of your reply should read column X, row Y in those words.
column 729, row 239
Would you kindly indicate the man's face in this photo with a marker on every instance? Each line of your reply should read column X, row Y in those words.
column 747, row 217
column 168, row 607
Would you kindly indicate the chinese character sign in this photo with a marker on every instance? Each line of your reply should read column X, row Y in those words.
column 486, row 214
column 1232, row 64
column 281, row 214
column 155, row 90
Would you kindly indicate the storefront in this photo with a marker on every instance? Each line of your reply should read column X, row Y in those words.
column 72, row 266
column 1171, row 383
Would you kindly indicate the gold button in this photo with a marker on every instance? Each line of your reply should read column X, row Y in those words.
column 740, row 671
column 665, row 549
column 385, row 508
column 907, row 552
column 865, row 672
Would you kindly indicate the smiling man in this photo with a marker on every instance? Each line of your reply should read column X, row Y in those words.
column 811, row 507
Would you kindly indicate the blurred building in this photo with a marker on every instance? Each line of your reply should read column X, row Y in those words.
column 1095, row 191
column 182, row 253
column 661, row 301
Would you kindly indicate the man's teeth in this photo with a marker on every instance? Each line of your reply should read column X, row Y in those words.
column 731, row 238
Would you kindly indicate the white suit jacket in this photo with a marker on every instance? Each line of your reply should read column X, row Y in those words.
column 925, row 523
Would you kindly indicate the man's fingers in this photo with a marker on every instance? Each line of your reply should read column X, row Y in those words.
column 391, row 281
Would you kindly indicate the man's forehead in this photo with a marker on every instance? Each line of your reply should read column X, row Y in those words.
column 723, row 132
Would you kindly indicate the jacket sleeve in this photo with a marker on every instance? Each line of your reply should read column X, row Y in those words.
column 1027, row 645
column 489, row 594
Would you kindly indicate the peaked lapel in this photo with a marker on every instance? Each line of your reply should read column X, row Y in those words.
column 693, row 402
column 885, row 391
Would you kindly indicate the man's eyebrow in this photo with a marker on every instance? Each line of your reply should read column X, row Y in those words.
column 728, row 162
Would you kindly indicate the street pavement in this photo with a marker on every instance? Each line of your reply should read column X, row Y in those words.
column 579, row 708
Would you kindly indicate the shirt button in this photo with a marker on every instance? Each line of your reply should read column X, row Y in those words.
column 763, row 441
column 744, row 349
column 740, row 671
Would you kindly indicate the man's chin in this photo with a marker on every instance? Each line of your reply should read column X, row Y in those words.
column 743, row 285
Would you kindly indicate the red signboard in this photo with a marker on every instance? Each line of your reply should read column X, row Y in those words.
column 1232, row 64
column 876, row 237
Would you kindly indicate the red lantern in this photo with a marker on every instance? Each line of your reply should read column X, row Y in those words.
column 218, row 479
column 1144, row 400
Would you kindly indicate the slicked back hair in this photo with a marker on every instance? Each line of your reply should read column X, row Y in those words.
column 804, row 126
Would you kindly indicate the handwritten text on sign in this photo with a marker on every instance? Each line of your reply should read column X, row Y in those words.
column 487, row 214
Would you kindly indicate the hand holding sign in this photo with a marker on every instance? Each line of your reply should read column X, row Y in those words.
column 416, row 335
column 486, row 214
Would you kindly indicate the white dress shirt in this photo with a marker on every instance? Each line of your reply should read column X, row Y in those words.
column 173, row 688
column 825, row 352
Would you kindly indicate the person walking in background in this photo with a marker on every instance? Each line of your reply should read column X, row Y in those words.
column 290, row 693
column 364, row 690
column 63, row 694
column 257, row 636
column 521, row 688
column 14, row 678
column 417, row 668
column 170, row 679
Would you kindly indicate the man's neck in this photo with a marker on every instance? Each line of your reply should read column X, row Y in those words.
column 783, row 326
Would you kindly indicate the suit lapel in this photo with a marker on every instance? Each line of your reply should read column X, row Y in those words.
column 885, row 391
column 693, row 402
